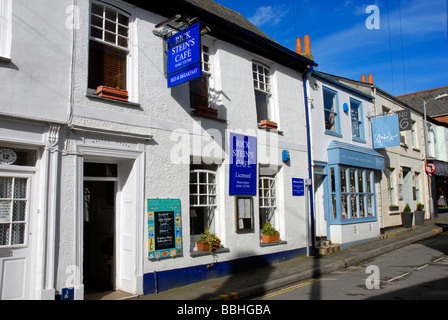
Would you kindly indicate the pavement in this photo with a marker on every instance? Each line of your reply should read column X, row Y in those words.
column 248, row 284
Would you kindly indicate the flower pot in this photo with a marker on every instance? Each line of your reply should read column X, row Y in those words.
column 419, row 218
column 203, row 246
column 206, row 111
column 406, row 219
column 268, row 124
column 270, row 239
column 112, row 93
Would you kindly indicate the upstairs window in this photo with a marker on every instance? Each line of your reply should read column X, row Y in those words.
column 5, row 29
column 262, row 86
column 200, row 87
column 330, row 110
column 108, row 47
column 356, row 115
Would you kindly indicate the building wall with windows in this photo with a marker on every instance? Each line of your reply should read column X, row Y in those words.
column 146, row 141
column 404, row 181
column 345, row 165
column 35, row 56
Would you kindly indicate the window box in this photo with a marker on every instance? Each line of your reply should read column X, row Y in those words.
column 268, row 124
column 270, row 239
column 112, row 93
column 206, row 111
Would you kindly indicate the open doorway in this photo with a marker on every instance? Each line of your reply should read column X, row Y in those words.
column 99, row 235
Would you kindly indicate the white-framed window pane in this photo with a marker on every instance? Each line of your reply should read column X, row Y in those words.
column 5, row 28
column 203, row 201
column 13, row 210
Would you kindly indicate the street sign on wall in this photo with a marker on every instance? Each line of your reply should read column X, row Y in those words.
column 184, row 56
column 298, row 187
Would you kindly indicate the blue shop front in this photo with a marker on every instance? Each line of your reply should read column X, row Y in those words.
column 350, row 195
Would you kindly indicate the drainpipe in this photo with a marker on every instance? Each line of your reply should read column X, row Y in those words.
column 310, row 164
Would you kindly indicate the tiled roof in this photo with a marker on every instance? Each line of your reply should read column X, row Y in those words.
column 229, row 15
column 433, row 108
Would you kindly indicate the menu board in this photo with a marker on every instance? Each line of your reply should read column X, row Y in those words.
column 164, row 228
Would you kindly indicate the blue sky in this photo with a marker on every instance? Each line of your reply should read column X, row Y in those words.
column 408, row 53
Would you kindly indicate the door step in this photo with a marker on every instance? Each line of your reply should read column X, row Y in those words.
column 325, row 247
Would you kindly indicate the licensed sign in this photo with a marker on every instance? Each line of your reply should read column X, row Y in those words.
column 164, row 228
column 184, row 56
column 243, row 165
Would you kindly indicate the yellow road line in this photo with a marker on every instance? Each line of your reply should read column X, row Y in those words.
column 297, row 286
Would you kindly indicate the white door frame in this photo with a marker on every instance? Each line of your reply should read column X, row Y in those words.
column 87, row 153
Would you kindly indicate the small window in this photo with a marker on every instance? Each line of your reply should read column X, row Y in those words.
column 13, row 210
column 108, row 47
column 203, row 201
column 5, row 29
column 262, row 86
column 268, row 201
column 356, row 115
column 330, row 110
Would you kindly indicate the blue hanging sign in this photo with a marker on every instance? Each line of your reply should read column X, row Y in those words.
column 298, row 187
column 164, row 228
column 243, row 165
column 386, row 132
column 184, row 56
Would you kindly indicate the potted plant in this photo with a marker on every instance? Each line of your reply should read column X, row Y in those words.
column 269, row 234
column 419, row 215
column 208, row 242
column 407, row 216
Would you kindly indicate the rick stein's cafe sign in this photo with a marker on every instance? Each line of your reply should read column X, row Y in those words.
column 184, row 56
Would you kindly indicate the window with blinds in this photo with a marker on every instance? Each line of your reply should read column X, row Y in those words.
column 108, row 47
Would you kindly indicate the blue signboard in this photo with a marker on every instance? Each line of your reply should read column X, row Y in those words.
column 164, row 228
column 386, row 132
column 243, row 165
column 184, row 56
column 298, row 187
column 184, row 75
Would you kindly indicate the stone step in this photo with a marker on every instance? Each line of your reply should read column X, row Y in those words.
column 324, row 247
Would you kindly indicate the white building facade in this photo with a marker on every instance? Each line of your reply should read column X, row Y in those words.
column 79, row 167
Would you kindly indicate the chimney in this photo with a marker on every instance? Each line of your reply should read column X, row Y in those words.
column 363, row 78
column 370, row 79
column 307, row 44
column 299, row 45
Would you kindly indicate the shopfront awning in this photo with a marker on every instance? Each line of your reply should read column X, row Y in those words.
column 352, row 155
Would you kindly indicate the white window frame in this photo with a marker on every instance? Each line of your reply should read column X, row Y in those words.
column 11, row 199
column 5, row 29
column 414, row 135
column 127, row 49
column 268, row 198
column 263, row 85
column 208, row 195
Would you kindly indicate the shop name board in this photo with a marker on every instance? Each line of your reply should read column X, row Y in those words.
column 184, row 56
column 386, row 132
column 243, row 165
column 164, row 228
